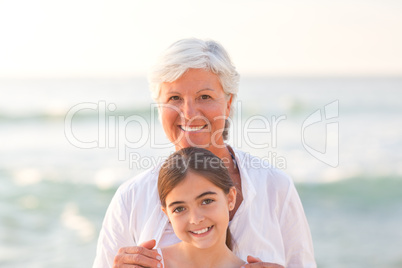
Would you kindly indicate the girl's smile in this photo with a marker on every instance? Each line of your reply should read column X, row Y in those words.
column 199, row 211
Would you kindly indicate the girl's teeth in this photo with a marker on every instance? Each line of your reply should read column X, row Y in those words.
column 201, row 231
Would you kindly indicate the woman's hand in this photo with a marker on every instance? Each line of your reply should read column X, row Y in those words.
column 256, row 262
column 141, row 256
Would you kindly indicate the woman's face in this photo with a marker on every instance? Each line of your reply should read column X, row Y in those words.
column 199, row 211
column 193, row 110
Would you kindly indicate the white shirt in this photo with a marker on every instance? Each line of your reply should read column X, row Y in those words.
column 269, row 224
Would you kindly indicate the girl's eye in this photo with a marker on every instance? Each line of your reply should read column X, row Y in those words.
column 207, row 201
column 178, row 210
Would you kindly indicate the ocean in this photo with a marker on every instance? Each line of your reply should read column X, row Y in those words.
column 67, row 144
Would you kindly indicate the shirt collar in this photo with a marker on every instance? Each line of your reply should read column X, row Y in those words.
column 248, row 188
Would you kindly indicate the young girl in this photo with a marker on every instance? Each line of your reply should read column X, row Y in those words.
column 197, row 194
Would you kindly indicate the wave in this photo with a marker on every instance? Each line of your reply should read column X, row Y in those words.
column 366, row 189
column 357, row 193
column 38, row 116
column 52, row 99
column 295, row 108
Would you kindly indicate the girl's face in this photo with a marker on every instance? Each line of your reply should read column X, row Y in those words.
column 193, row 110
column 199, row 211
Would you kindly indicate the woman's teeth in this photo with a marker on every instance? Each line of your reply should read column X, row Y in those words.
column 191, row 128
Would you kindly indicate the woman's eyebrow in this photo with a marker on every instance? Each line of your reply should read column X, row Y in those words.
column 209, row 89
column 173, row 92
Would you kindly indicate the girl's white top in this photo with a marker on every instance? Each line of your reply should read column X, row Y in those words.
column 270, row 223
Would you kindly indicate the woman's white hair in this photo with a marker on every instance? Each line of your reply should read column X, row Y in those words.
column 193, row 53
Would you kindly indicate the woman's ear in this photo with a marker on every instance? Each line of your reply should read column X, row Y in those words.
column 232, row 198
column 229, row 105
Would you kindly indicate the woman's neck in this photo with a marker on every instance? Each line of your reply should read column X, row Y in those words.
column 225, row 155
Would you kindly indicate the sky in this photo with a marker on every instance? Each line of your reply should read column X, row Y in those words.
column 104, row 38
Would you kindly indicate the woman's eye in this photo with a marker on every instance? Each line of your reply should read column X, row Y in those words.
column 207, row 201
column 178, row 210
column 174, row 98
column 205, row 97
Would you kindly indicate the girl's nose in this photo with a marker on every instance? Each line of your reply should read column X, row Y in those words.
column 196, row 217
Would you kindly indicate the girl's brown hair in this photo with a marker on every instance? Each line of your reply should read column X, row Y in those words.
column 201, row 161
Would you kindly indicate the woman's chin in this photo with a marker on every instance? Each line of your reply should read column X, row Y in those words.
column 200, row 142
column 192, row 144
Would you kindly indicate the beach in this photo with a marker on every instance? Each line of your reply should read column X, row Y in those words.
column 67, row 144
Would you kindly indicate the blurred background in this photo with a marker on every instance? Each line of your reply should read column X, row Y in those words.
column 76, row 116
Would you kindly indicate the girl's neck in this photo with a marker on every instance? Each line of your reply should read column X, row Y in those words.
column 186, row 255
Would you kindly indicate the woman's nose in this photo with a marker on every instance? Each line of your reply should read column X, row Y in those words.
column 189, row 110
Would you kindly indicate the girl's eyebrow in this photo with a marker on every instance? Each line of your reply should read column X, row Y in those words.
column 175, row 203
column 198, row 197
column 204, row 194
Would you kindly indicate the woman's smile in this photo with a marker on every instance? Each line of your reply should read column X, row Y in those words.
column 193, row 128
column 194, row 109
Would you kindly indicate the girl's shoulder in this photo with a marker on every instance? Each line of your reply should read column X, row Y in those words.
column 169, row 255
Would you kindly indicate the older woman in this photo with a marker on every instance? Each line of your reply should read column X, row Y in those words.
column 195, row 85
